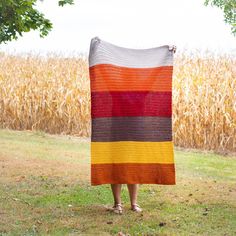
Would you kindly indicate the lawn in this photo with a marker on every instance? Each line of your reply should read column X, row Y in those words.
column 45, row 190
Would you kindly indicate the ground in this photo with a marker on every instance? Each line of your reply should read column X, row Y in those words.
column 45, row 190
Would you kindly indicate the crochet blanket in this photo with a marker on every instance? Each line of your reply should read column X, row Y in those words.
column 131, row 114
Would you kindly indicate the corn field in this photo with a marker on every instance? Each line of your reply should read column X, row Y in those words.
column 52, row 94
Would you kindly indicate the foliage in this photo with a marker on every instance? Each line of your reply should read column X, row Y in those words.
column 229, row 9
column 18, row 16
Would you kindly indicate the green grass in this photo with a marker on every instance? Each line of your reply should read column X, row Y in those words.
column 45, row 190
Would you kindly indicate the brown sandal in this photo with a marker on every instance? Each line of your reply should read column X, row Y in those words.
column 136, row 208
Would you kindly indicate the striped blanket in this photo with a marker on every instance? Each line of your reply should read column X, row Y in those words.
column 131, row 114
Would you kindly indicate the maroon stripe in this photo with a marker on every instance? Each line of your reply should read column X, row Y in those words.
column 136, row 128
column 131, row 103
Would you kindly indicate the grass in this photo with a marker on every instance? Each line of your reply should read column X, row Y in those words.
column 45, row 190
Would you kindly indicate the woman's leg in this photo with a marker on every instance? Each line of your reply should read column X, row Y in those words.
column 116, row 190
column 133, row 193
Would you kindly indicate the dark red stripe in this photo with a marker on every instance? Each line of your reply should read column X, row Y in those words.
column 132, row 103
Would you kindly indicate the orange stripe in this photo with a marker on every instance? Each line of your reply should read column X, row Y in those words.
column 133, row 173
column 107, row 77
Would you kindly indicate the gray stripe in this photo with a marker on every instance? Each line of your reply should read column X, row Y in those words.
column 103, row 52
column 136, row 128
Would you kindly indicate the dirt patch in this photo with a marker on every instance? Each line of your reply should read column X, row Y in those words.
column 15, row 170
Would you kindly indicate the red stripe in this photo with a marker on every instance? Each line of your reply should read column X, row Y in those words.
column 136, row 103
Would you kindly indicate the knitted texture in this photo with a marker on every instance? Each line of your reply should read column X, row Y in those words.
column 131, row 114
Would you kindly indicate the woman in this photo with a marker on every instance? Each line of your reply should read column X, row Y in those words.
column 131, row 108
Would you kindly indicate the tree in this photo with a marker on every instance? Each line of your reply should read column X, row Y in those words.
column 229, row 9
column 18, row 16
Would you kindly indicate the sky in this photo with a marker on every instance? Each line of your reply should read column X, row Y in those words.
column 188, row 24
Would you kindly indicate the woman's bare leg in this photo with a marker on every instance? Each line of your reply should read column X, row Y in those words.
column 116, row 190
column 133, row 193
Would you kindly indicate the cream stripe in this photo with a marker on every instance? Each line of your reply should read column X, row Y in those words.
column 132, row 152
column 103, row 52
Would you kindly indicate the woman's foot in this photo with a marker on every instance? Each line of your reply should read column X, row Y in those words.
column 135, row 207
column 117, row 208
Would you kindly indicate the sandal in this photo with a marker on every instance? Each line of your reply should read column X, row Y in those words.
column 136, row 208
column 117, row 208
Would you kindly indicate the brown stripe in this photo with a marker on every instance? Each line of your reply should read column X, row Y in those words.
column 133, row 173
column 136, row 128
column 106, row 77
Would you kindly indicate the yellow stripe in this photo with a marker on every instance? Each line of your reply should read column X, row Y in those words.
column 132, row 152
